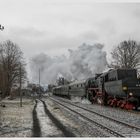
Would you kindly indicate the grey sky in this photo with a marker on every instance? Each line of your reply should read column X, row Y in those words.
column 53, row 26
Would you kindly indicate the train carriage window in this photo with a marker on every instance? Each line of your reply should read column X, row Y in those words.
column 77, row 85
column 69, row 87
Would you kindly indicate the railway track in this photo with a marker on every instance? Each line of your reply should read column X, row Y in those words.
column 105, row 116
column 113, row 126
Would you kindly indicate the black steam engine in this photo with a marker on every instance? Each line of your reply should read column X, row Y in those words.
column 117, row 87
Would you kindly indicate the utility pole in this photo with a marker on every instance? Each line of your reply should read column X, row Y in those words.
column 2, row 28
column 20, row 82
column 39, row 83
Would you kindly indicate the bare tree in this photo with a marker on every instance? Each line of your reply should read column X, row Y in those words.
column 11, row 58
column 126, row 55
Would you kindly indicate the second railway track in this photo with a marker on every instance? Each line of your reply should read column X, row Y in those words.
column 116, row 127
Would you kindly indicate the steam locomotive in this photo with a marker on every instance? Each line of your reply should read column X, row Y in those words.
column 116, row 87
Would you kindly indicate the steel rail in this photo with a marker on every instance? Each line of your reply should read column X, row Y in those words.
column 107, row 117
column 90, row 120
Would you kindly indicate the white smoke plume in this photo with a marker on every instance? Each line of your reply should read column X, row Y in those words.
column 82, row 63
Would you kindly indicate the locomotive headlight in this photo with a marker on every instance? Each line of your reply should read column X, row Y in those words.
column 130, row 94
column 124, row 88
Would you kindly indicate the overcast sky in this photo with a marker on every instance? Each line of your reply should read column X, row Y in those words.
column 53, row 26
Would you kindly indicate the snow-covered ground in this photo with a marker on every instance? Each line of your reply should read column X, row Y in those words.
column 48, row 129
column 16, row 121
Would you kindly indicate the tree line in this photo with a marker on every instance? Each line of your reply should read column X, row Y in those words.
column 126, row 55
column 12, row 67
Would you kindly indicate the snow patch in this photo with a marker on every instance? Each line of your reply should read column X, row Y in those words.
column 48, row 129
column 80, row 100
column 85, row 101
column 76, row 99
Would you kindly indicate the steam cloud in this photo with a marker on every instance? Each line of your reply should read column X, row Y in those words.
column 82, row 63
